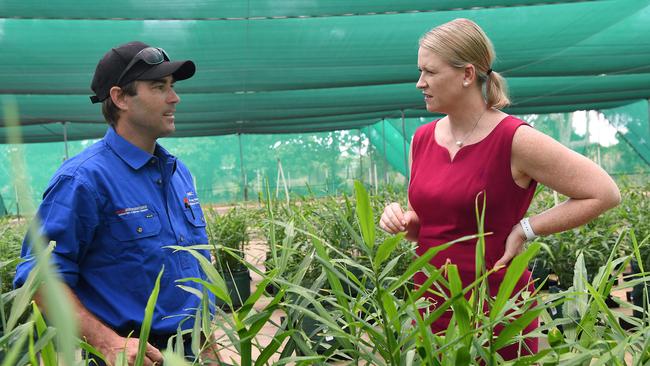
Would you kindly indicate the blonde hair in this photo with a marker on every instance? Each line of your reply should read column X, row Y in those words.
column 461, row 42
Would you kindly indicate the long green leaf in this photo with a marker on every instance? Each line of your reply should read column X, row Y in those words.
column 212, row 287
column 221, row 291
column 146, row 322
column 364, row 213
column 422, row 260
column 604, row 309
column 48, row 353
column 44, row 340
column 385, row 249
column 252, row 299
column 55, row 295
column 514, row 272
column 272, row 347
column 22, row 299
column 460, row 306
column 196, row 332
column 30, row 351
column 91, row 350
column 532, row 359
column 516, row 327
column 206, row 318
column 12, row 355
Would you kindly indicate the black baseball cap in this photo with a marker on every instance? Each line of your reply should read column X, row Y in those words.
column 135, row 61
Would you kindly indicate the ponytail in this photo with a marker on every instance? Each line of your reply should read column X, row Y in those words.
column 496, row 91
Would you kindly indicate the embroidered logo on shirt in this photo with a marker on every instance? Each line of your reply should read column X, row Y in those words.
column 131, row 210
column 191, row 199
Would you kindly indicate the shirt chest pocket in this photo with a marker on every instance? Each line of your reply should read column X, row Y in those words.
column 195, row 221
column 196, row 224
column 194, row 215
column 135, row 226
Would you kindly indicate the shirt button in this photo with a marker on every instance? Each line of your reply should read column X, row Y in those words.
column 182, row 238
column 139, row 229
column 158, row 181
column 152, row 161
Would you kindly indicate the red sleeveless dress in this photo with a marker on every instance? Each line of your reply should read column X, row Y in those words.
column 442, row 192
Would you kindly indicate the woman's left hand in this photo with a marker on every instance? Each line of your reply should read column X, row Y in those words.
column 514, row 246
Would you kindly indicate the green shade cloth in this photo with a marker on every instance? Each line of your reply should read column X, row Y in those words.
column 295, row 66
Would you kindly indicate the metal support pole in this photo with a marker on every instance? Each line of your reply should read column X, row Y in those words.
column 383, row 137
column 241, row 165
column 17, row 203
column 360, row 159
column 65, row 138
column 406, row 157
column 374, row 167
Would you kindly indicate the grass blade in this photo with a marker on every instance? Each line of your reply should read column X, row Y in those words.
column 146, row 322
column 515, row 270
column 48, row 353
column 385, row 249
column 364, row 213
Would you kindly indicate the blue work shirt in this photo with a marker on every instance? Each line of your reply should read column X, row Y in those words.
column 111, row 210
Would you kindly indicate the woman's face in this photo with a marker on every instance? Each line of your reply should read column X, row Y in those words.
column 441, row 83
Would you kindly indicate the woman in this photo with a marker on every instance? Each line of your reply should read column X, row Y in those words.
column 477, row 149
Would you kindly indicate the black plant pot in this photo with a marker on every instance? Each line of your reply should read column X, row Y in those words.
column 539, row 275
column 556, row 311
column 609, row 301
column 640, row 300
column 272, row 289
column 638, row 297
column 350, row 290
column 239, row 288
column 322, row 342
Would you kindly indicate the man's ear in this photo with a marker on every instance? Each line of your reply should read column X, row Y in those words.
column 118, row 97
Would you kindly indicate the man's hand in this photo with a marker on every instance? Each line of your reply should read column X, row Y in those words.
column 113, row 347
column 210, row 355
column 105, row 339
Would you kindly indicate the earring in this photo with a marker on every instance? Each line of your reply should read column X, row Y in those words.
column 465, row 83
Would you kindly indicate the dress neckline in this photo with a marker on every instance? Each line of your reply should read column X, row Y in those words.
column 464, row 147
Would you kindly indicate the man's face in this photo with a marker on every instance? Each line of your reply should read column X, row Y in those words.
column 151, row 111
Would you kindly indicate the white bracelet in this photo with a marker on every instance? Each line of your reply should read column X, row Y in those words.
column 528, row 230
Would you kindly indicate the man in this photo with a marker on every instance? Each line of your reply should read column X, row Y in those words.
column 113, row 208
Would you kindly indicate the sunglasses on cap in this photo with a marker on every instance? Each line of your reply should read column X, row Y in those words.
column 150, row 55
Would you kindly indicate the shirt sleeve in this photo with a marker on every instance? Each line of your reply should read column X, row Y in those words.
column 69, row 216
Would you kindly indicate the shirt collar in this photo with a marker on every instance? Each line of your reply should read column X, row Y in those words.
column 135, row 157
column 168, row 159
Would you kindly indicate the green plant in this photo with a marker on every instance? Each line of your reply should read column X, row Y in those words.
column 592, row 332
column 376, row 326
column 228, row 234
column 594, row 240
column 12, row 233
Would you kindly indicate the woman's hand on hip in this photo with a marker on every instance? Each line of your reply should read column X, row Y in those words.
column 514, row 246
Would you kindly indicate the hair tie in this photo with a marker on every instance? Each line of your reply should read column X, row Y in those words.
column 489, row 72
